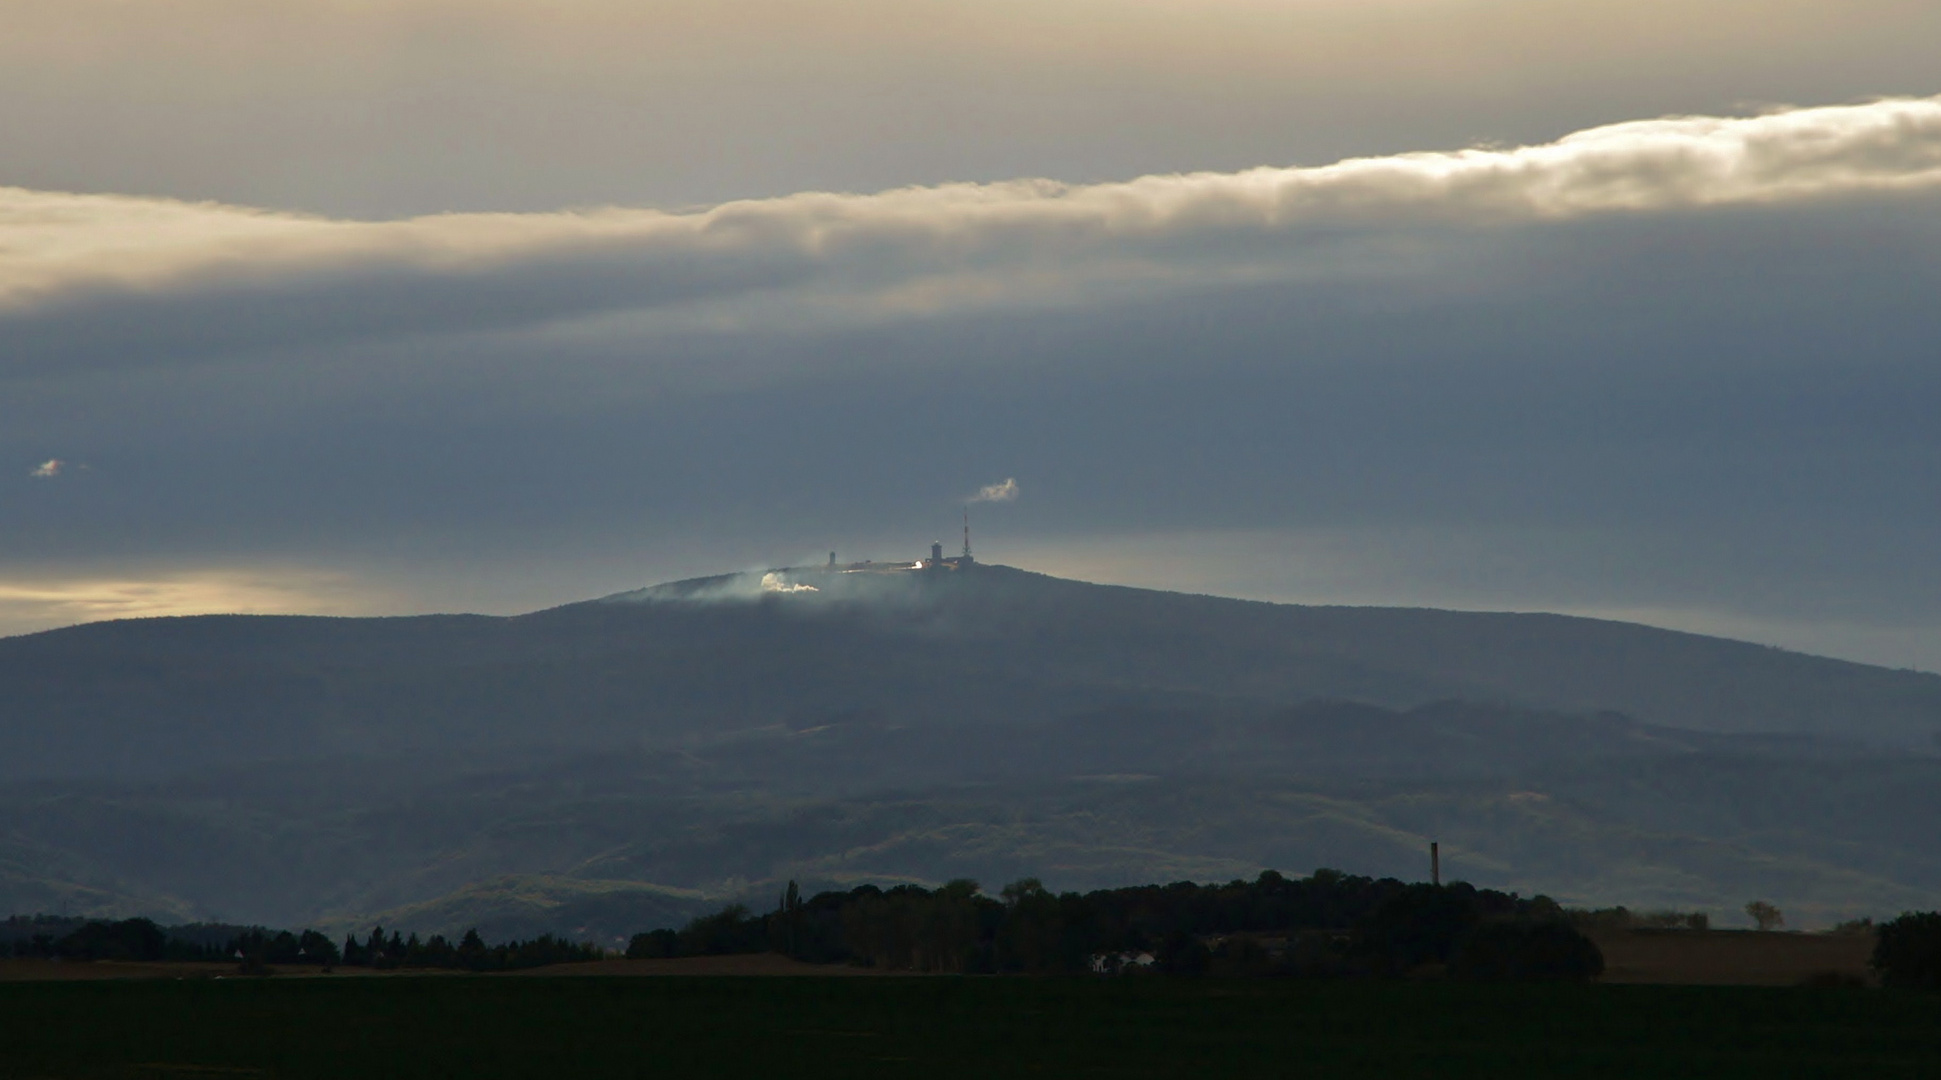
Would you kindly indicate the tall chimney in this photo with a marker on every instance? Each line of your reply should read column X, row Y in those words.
column 1435, row 863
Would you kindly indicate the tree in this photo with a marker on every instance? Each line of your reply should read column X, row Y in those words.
column 1765, row 916
column 1907, row 951
column 314, row 948
column 1021, row 890
column 949, row 928
column 1182, row 953
column 789, row 920
column 129, row 939
column 730, row 930
column 1526, row 950
column 1032, row 937
column 653, row 945
column 1421, row 924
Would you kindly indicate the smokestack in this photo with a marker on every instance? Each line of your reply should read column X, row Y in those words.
column 1435, row 863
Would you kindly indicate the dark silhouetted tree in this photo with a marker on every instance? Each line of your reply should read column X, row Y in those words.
column 1907, row 951
column 1765, row 916
column 653, row 945
column 730, row 930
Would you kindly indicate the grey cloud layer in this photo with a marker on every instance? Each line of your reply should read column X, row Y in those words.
column 388, row 108
column 1672, row 366
column 63, row 256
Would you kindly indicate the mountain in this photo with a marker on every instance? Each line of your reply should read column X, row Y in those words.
column 700, row 660
column 634, row 758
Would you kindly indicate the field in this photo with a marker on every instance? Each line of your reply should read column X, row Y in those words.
column 812, row 1027
column 1734, row 957
column 752, row 964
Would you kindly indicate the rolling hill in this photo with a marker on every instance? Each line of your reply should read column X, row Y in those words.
column 697, row 661
column 626, row 761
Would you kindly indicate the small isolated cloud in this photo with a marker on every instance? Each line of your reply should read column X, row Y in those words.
column 1004, row 492
column 48, row 470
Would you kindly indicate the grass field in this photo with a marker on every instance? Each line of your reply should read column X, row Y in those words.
column 799, row 1028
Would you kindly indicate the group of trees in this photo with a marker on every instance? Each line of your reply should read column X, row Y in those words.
column 259, row 950
column 471, row 953
column 144, row 940
column 128, row 939
column 1328, row 924
column 1611, row 919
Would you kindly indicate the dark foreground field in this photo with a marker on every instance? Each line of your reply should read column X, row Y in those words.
column 795, row 1028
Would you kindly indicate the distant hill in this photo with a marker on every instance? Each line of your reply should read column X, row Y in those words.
column 636, row 757
column 518, row 907
column 702, row 659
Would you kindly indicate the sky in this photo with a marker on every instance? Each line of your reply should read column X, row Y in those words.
column 391, row 306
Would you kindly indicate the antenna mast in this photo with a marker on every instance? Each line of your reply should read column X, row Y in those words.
column 967, row 554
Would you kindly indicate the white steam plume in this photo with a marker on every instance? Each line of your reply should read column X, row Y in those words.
column 1003, row 492
column 775, row 583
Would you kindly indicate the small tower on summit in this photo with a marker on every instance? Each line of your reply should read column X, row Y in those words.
column 937, row 553
column 967, row 555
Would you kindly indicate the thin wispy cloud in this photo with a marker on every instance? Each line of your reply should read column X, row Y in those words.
column 48, row 470
column 62, row 254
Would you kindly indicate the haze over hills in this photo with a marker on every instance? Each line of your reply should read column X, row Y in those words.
column 596, row 766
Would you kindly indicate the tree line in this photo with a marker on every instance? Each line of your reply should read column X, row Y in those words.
column 470, row 953
column 257, row 949
column 1327, row 924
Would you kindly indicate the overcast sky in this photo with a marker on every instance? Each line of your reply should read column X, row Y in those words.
column 378, row 306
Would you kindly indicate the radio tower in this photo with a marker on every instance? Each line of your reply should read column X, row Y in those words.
column 967, row 554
